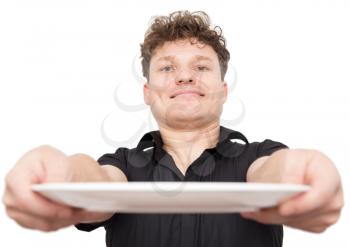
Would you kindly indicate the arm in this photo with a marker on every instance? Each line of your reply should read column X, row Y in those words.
column 313, row 211
column 47, row 164
column 86, row 169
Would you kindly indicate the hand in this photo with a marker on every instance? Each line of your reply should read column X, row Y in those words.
column 312, row 211
column 29, row 209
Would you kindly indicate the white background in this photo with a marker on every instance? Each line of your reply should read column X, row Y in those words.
column 60, row 62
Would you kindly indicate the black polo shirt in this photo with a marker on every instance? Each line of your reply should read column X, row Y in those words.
column 228, row 161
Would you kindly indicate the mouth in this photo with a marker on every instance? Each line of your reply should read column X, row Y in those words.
column 186, row 92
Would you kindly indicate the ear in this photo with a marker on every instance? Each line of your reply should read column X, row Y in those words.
column 225, row 91
column 146, row 92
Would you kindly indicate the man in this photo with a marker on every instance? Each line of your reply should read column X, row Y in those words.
column 184, row 61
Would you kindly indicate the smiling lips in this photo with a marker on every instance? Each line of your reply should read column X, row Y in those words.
column 186, row 92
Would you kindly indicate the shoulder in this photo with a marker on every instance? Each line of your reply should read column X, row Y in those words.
column 266, row 147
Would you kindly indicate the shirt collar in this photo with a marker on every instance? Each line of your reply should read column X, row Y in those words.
column 154, row 139
column 150, row 139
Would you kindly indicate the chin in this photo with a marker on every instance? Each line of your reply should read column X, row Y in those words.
column 185, row 117
column 187, row 121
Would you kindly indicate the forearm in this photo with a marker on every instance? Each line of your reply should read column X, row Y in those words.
column 46, row 164
column 83, row 168
column 86, row 169
column 314, row 210
column 283, row 165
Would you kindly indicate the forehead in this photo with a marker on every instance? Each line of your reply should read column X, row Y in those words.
column 182, row 50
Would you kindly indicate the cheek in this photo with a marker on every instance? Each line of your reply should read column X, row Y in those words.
column 216, row 94
column 157, row 93
column 160, row 87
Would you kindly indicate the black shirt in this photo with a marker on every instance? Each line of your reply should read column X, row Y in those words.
column 227, row 162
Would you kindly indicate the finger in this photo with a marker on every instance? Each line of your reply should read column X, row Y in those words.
column 318, row 229
column 313, row 200
column 35, row 204
column 321, row 220
column 274, row 216
column 81, row 215
column 315, row 222
column 30, row 170
column 324, row 180
column 35, row 222
column 309, row 201
column 266, row 216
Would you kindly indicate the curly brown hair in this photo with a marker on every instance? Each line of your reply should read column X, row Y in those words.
column 181, row 25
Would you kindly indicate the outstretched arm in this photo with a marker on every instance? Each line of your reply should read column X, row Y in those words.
column 312, row 211
column 47, row 164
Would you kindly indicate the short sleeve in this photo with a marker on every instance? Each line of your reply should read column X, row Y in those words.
column 88, row 227
column 268, row 147
column 118, row 160
column 254, row 151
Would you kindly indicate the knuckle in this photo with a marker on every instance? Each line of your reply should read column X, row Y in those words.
column 337, row 205
column 320, row 229
column 45, row 226
column 55, row 214
column 42, row 151
column 7, row 201
column 21, row 203
column 10, row 213
column 341, row 204
column 7, row 179
column 60, row 225
column 331, row 220
column 328, row 221
column 9, row 182
column 44, row 147
column 52, row 226
column 4, row 199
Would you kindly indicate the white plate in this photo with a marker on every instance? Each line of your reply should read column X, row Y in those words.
column 169, row 197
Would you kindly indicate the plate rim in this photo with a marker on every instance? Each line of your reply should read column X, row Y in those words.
column 170, row 186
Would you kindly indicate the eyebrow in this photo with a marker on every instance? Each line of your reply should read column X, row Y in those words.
column 172, row 58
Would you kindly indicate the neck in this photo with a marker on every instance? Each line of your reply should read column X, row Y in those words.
column 185, row 138
column 185, row 145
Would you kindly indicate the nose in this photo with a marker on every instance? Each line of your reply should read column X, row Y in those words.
column 185, row 77
column 184, row 81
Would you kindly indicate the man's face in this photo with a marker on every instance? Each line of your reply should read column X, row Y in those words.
column 185, row 89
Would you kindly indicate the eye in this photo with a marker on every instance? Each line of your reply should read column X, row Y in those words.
column 202, row 68
column 167, row 68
